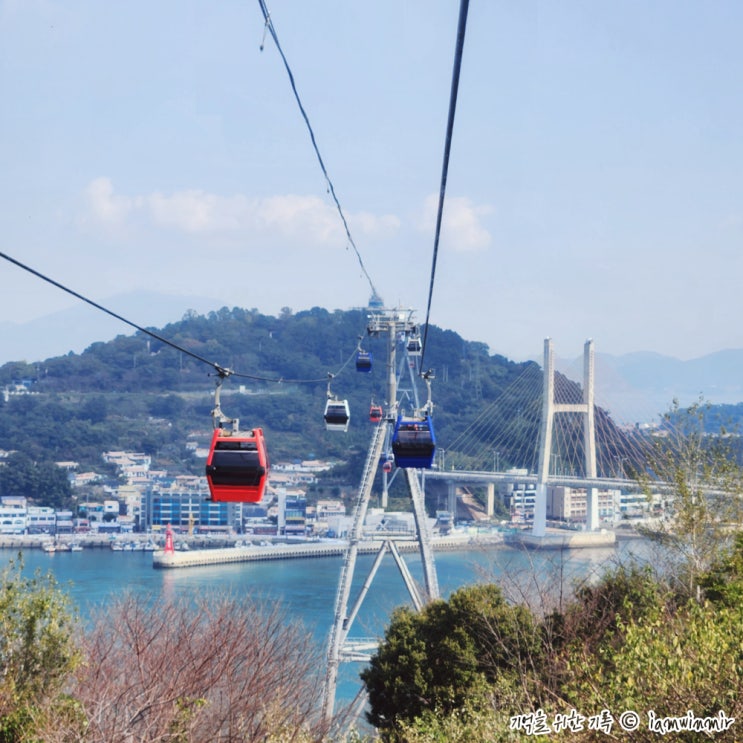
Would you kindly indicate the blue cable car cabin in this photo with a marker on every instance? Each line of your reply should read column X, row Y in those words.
column 413, row 442
column 337, row 415
column 363, row 361
column 237, row 466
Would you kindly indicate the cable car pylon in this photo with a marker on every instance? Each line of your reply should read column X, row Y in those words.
column 397, row 325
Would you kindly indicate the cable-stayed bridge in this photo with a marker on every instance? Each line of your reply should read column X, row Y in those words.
column 546, row 431
column 543, row 430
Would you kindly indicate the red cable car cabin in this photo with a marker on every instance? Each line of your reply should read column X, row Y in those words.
column 375, row 413
column 237, row 466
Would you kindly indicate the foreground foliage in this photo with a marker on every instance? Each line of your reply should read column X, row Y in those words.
column 629, row 643
column 700, row 479
column 37, row 653
column 213, row 668
column 475, row 668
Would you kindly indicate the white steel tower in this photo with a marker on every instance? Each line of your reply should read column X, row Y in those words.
column 398, row 327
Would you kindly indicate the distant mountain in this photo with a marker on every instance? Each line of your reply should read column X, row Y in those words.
column 76, row 328
column 136, row 392
column 639, row 386
column 634, row 387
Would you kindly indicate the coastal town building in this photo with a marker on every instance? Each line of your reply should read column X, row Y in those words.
column 13, row 515
column 570, row 505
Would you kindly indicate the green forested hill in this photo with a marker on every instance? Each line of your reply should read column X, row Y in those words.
column 135, row 392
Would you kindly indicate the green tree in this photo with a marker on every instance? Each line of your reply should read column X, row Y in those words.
column 698, row 476
column 44, row 482
column 473, row 649
column 670, row 662
column 37, row 652
column 723, row 583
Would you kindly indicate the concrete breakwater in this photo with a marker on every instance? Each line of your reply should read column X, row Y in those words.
column 329, row 548
column 37, row 541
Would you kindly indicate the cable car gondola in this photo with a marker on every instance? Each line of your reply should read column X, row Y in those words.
column 237, row 466
column 363, row 361
column 413, row 442
column 375, row 413
column 337, row 415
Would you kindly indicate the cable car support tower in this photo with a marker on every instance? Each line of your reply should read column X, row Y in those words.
column 398, row 327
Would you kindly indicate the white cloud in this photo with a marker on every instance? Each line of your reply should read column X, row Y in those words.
column 104, row 206
column 198, row 211
column 370, row 224
column 461, row 229
column 195, row 211
column 300, row 216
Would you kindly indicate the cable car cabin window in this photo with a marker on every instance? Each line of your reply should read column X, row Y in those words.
column 363, row 361
column 237, row 467
column 413, row 443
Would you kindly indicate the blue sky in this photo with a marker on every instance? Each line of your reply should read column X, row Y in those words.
column 595, row 186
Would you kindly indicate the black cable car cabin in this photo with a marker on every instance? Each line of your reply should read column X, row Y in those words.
column 363, row 361
column 413, row 442
column 337, row 415
column 414, row 347
column 237, row 466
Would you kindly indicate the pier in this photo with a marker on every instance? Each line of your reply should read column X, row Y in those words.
column 277, row 551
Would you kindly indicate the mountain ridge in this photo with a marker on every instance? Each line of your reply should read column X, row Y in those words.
column 635, row 385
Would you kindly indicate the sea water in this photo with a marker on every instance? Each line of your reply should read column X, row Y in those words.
column 306, row 588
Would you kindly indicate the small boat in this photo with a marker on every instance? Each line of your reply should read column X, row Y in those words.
column 49, row 546
column 76, row 547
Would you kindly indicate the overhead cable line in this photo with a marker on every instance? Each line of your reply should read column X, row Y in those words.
column 271, row 29
column 463, row 8
column 222, row 371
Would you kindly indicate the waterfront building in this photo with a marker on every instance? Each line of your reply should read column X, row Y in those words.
column 294, row 516
column 443, row 523
column 518, row 498
column 189, row 510
column 381, row 522
column 13, row 516
column 65, row 523
column 41, row 520
column 570, row 505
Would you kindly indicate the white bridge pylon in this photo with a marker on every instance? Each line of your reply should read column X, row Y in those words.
column 550, row 408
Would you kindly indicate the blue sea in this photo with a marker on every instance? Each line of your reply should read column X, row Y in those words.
column 306, row 588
